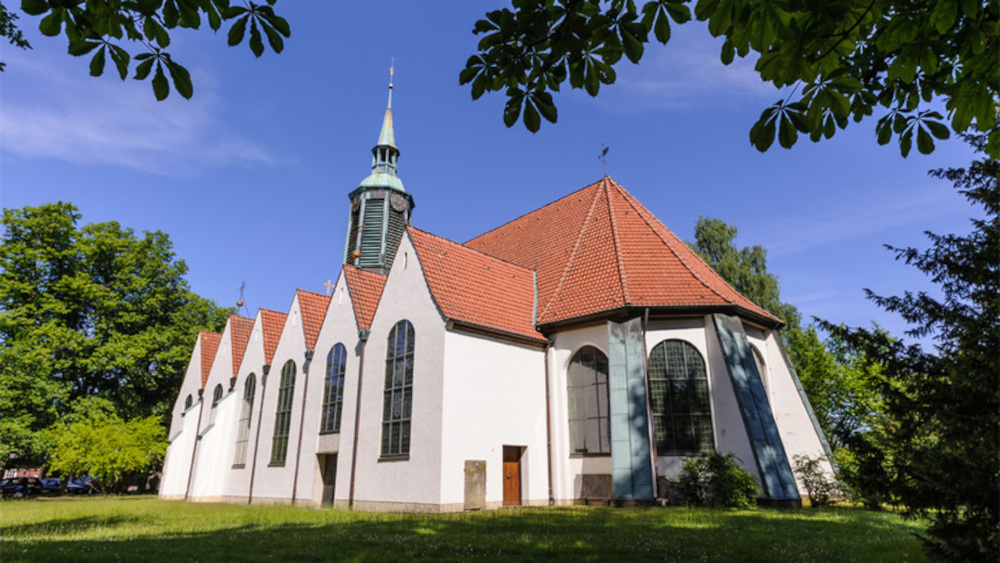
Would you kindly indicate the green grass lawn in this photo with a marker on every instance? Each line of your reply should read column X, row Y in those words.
column 147, row 529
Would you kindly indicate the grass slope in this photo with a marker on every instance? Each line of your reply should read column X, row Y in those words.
column 146, row 529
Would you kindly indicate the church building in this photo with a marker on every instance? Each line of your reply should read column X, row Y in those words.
column 578, row 353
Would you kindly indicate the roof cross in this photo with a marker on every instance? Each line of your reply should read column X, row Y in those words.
column 603, row 158
column 329, row 285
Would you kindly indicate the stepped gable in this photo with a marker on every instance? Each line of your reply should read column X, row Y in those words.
column 239, row 332
column 313, row 307
column 599, row 250
column 209, row 346
column 272, row 323
column 475, row 289
column 365, row 288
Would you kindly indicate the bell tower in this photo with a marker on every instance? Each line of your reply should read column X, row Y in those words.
column 380, row 207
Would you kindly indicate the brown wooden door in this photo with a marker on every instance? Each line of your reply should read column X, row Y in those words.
column 511, row 476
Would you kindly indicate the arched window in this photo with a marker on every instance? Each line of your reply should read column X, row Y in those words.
column 283, row 414
column 187, row 402
column 398, row 403
column 587, row 392
column 682, row 411
column 216, row 398
column 246, row 414
column 333, row 391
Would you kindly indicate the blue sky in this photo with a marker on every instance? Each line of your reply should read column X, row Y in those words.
column 250, row 177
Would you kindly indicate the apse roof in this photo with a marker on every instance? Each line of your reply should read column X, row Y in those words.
column 598, row 250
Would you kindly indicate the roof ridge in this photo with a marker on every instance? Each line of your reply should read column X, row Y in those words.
column 572, row 254
column 536, row 210
column 640, row 209
column 470, row 249
column 622, row 278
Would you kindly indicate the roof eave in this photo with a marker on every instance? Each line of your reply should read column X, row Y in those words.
column 630, row 311
column 496, row 332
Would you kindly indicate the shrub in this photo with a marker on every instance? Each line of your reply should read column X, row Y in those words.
column 819, row 486
column 713, row 479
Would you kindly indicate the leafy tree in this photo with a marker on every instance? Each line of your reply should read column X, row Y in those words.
column 744, row 268
column 843, row 58
column 89, row 311
column 944, row 406
column 93, row 440
column 135, row 34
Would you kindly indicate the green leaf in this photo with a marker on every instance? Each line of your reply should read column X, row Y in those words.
column 51, row 25
column 97, row 63
column 256, row 44
column 181, row 78
column 531, row 118
column 34, row 7
column 237, row 31
column 273, row 37
column 121, row 59
column 787, row 135
column 925, row 144
column 632, row 46
column 661, row 29
column 884, row 130
column 728, row 51
column 160, row 86
column 279, row 23
column 905, row 143
column 512, row 109
column 679, row 12
column 170, row 13
column 214, row 18
column 143, row 68
column 762, row 132
column 543, row 101
column 78, row 48
column 938, row 129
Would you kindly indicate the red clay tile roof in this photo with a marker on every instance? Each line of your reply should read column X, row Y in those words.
column 313, row 307
column 272, row 322
column 209, row 346
column 598, row 249
column 239, row 332
column 366, row 290
column 476, row 289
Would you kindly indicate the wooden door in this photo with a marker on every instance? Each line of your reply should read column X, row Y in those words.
column 511, row 476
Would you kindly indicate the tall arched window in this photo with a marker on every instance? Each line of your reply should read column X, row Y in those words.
column 587, row 393
column 398, row 403
column 682, row 411
column 283, row 414
column 333, row 391
column 246, row 414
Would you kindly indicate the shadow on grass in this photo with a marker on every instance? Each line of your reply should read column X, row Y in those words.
column 558, row 534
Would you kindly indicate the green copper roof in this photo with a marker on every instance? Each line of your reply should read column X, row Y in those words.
column 384, row 156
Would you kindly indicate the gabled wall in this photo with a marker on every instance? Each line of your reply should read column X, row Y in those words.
column 183, row 430
column 413, row 483
column 236, row 480
column 274, row 483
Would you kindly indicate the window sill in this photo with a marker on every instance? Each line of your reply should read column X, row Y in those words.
column 405, row 457
column 329, row 433
column 239, row 466
column 577, row 455
column 682, row 453
column 276, row 464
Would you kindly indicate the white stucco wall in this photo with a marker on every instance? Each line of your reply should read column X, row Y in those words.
column 275, row 483
column 413, row 483
column 183, row 429
column 567, row 469
column 494, row 395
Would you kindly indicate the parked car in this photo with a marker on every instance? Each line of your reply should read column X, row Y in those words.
column 80, row 486
column 17, row 487
column 50, row 485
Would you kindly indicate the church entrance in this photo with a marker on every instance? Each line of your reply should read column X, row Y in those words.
column 328, row 468
column 512, row 475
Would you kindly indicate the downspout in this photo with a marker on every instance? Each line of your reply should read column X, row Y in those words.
column 649, row 402
column 363, row 336
column 548, row 423
column 256, row 442
column 194, row 448
column 302, row 421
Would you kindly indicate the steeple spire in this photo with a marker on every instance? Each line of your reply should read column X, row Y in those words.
column 380, row 207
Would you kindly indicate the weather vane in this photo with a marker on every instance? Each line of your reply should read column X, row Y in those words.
column 603, row 158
